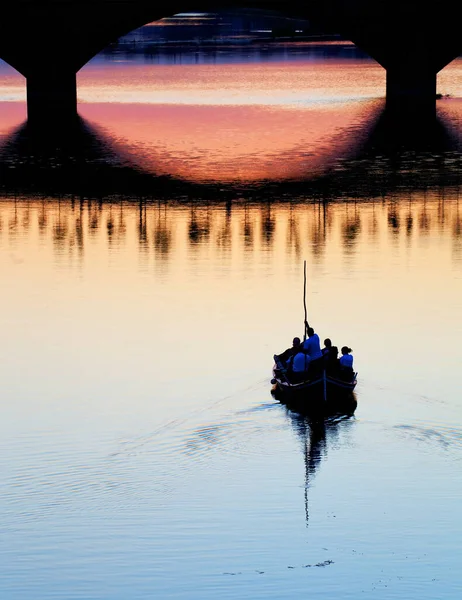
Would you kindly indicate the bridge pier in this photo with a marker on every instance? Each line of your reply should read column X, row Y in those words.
column 411, row 90
column 51, row 97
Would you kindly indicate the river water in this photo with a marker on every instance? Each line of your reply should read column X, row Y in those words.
column 142, row 454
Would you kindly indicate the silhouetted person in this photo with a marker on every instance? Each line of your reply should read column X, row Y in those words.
column 290, row 352
column 327, row 347
column 330, row 354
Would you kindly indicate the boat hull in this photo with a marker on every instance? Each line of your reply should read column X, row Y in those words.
column 321, row 397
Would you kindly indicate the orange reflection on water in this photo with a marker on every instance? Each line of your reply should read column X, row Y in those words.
column 169, row 231
column 273, row 83
column 108, row 272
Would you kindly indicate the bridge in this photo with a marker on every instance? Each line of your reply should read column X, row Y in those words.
column 49, row 41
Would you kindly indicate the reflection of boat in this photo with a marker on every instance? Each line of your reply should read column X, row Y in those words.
column 315, row 438
column 320, row 394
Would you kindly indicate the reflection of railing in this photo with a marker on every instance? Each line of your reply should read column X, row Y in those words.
column 299, row 229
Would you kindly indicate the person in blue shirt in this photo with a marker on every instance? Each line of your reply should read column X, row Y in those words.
column 299, row 367
column 312, row 345
column 346, row 364
column 301, row 362
column 346, row 360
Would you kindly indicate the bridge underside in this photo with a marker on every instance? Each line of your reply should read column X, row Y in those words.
column 58, row 38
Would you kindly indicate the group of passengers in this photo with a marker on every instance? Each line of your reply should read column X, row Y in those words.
column 308, row 359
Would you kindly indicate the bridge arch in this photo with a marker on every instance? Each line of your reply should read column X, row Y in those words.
column 48, row 42
column 102, row 36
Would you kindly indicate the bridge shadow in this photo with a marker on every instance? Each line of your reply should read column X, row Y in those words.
column 395, row 153
column 396, row 133
column 400, row 153
column 76, row 160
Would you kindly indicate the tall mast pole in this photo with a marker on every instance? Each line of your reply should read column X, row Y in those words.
column 304, row 299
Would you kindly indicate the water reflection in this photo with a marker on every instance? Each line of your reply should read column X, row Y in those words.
column 76, row 161
column 162, row 229
column 315, row 438
column 226, row 53
column 381, row 155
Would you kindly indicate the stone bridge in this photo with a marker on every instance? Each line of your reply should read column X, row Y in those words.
column 48, row 41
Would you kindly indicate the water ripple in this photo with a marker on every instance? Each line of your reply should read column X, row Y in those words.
column 446, row 437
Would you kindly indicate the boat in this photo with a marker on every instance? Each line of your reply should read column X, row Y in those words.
column 324, row 390
column 320, row 394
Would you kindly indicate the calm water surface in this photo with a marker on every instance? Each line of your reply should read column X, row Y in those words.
column 142, row 454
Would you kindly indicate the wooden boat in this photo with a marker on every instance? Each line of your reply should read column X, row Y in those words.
column 324, row 392
column 320, row 394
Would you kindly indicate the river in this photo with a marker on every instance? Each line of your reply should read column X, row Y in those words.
column 147, row 282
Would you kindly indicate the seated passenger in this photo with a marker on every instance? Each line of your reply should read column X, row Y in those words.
column 330, row 354
column 346, row 360
column 346, row 363
column 301, row 362
column 311, row 345
column 288, row 354
column 300, row 366
column 329, row 350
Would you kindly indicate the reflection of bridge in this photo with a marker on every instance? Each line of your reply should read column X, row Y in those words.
column 388, row 156
column 49, row 41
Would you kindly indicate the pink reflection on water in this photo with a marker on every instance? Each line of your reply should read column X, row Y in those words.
column 12, row 114
column 228, row 143
column 242, row 122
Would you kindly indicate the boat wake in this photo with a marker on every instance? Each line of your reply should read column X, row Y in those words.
column 446, row 437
